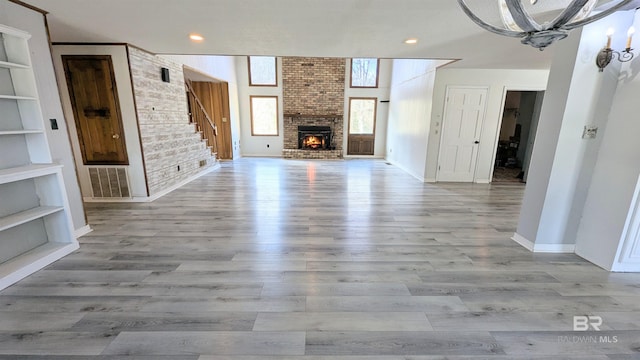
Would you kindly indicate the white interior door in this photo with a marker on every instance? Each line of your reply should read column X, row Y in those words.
column 461, row 125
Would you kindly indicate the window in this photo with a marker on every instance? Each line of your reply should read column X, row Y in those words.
column 362, row 116
column 364, row 73
column 264, row 115
column 262, row 71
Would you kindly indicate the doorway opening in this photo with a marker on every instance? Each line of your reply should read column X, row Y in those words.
column 517, row 135
column 210, row 96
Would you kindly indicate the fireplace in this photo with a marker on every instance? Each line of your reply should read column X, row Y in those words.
column 314, row 137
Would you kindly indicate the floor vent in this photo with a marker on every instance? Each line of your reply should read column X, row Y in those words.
column 109, row 182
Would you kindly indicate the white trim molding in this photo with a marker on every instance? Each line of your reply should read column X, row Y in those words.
column 524, row 242
column 182, row 183
column 377, row 157
column 157, row 195
column 543, row 248
column 628, row 255
column 82, row 231
column 405, row 170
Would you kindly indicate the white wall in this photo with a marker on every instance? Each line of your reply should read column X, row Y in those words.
column 258, row 145
column 498, row 82
column 562, row 162
column 118, row 53
column 610, row 197
column 411, row 93
column 31, row 21
column 382, row 92
column 221, row 68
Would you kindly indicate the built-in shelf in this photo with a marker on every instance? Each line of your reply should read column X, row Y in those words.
column 27, row 172
column 22, row 266
column 22, row 217
column 34, row 238
column 20, row 132
column 16, row 97
column 10, row 65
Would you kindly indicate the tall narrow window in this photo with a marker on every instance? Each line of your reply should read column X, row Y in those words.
column 264, row 115
column 262, row 71
column 364, row 73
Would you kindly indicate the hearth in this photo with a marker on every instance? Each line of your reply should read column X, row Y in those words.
column 314, row 137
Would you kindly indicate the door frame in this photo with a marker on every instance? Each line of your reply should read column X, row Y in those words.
column 444, row 118
column 196, row 75
column 506, row 89
column 375, row 119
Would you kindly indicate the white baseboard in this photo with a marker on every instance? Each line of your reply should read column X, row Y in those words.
column 363, row 157
column 543, row 248
column 135, row 199
column 627, row 268
column 555, row 248
column 522, row 241
column 421, row 178
column 139, row 199
column 261, row 156
column 182, row 183
column 83, row 231
column 431, row 180
column 482, row 181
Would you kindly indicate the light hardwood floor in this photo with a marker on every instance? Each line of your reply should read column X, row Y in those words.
column 318, row 260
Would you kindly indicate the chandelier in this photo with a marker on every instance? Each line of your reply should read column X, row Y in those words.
column 538, row 23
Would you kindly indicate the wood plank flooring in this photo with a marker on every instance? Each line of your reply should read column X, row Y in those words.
column 270, row 259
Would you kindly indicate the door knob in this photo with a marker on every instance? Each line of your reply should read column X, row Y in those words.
column 476, row 142
column 116, row 136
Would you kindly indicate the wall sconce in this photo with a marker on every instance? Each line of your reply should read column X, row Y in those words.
column 606, row 54
column 164, row 74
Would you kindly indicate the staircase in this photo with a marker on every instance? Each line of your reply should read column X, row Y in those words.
column 199, row 117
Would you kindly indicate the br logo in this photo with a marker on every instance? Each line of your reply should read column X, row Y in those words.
column 585, row 322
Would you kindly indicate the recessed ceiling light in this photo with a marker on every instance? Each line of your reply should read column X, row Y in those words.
column 411, row 41
column 196, row 37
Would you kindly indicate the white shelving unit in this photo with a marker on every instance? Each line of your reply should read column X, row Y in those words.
column 35, row 219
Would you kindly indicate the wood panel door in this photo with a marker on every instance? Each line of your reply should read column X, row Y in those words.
column 215, row 99
column 463, row 116
column 96, row 110
column 362, row 126
column 360, row 145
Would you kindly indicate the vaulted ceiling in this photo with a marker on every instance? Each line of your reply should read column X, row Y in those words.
column 325, row 28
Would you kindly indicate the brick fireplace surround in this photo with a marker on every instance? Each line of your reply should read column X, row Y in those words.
column 291, row 123
column 313, row 95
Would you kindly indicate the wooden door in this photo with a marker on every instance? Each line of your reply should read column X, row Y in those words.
column 461, row 126
column 215, row 99
column 362, row 125
column 96, row 110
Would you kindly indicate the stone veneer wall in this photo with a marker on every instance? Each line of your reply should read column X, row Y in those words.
column 313, row 95
column 168, row 140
